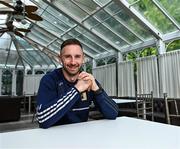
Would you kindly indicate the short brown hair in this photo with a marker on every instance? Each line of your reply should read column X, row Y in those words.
column 71, row 42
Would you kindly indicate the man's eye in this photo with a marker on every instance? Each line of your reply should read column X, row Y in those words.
column 67, row 56
column 78, row 56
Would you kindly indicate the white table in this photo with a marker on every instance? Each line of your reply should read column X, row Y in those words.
column 122, row 133
column 119, row 101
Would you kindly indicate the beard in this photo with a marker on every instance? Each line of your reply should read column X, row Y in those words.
column 72, row 73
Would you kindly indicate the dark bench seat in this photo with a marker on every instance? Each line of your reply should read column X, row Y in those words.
column 10, row 108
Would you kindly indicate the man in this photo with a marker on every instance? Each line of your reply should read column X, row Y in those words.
column 60, row 99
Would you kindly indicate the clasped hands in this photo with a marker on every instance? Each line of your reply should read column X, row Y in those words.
column 85, row 82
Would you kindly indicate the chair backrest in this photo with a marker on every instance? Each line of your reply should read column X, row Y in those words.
column 172, row 109
column 145, row 106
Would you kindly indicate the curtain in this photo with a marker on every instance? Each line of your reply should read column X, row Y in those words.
column 126, row 86
column 147, row 76
column 106, row 76
column 169, row 66
column 31, row 84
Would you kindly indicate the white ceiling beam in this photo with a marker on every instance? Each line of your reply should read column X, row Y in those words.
column 152, row 42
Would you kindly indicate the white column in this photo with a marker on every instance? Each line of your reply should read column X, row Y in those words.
column 84, row 66
column 14, row 83
column 161, row 46
column 94, row 63
column 120, row 57
column 33, row 71
column 0, row 80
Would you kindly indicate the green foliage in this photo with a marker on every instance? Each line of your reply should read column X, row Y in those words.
column 131, row 56
column 89, row 68
column 100, row 62
column 143, row 53
column 175, row 45
column 148, row 52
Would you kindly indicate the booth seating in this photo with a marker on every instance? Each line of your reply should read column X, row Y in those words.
column 10, row 108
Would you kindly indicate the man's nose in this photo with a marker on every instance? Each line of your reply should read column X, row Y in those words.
column 73, row 61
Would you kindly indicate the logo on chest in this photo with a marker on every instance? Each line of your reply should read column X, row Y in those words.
column 60, row 84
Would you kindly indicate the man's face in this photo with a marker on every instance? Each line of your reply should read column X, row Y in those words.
column 72, row 58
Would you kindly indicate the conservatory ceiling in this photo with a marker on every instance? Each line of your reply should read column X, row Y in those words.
column 105, row 27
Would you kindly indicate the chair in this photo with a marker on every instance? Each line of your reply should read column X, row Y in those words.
column 145, row 106
column 34, row 108
column 172, row 111
column 34, row 116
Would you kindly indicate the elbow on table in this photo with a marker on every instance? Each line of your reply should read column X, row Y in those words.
column 44, row 126
column 112, row 115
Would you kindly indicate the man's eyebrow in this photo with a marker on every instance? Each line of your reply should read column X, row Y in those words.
column 71, row 55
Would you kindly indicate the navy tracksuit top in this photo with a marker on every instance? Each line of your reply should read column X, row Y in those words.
column 59, row 102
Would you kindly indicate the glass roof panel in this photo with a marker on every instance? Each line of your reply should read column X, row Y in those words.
column 50, row 27
column 61, row 17
column 111, row 36
column 38, row 54
column 54, row 47
column 100, row 41
column 43, row 33
column 36, row 38
column 90, row 44
column 41, row 36
column 48, row 59
column 55, row 21
column 11, row 58
column 92, row 40
column 91, row 22
column 124, row 17
column 74, row 9
column 3, row 56
column 95, row 41
column 102, row 2
column 154, row 15
column 121, row 30
column 38, row 57
column 21, row 48
column 102, row 15
column 173, row 8
column 112, row 8
column 40, row 3
column 74, row 33
column 116, row 26
column 88, row 49
column 28, row 57
column 88, row 6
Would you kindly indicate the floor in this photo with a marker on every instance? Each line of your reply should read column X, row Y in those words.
column 24, row 123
